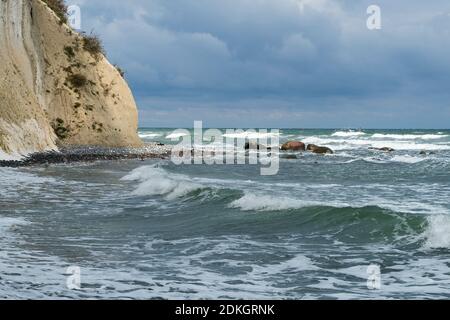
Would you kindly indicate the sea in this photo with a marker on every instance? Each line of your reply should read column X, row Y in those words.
column 356, row 224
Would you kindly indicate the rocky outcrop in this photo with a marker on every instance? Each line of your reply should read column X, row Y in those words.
column 319, row 150
column 384, row 149
column 255, row 146
column 293, row 146
column 54, row 92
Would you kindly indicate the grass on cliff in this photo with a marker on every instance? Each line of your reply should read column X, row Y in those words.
column 77, row 80
column 59, row 7
column 93, row 44
column 120, row 70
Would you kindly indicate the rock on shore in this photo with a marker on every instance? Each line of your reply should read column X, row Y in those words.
column 319, row 150
column 293, row 146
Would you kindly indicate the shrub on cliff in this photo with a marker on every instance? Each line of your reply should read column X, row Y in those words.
column 77, row 80
column 93, row 45
column 59, row 7
column 120, row 70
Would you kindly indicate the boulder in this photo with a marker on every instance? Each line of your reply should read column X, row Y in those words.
column 319, row 150
column 293, row 146
column 255, row 146
column 289, row 156
column 384, row 149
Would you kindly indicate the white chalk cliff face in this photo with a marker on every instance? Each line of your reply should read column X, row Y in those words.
column 42, row 105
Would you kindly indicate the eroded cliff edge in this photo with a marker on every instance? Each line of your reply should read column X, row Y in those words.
column 54, row 92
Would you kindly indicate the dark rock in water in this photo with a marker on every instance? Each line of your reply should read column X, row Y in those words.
column 293, row 146
column 423, row 153
column 384, row 149
column 288, row 156
column 319, row 150
column 255, row 146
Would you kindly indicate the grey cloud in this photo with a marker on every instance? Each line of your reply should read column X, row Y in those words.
column 309, row 63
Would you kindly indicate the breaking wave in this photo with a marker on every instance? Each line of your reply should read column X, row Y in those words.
column 364, row 143
column 254, row 202
column 409, row 136
column 150, row 135
column 154, row 181
column 348, row 134
column 437, row 233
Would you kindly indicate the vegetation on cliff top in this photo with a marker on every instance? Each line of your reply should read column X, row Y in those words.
column 91, row 43
column 59, row 7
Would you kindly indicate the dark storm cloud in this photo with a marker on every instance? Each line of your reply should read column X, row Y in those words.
column 290, row 63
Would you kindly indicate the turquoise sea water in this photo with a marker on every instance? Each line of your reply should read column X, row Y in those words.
column 152, row 229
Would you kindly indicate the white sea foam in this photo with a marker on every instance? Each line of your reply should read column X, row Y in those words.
column 156, row 181
column 251, row 135
column 348, row 134
column 150, row 135
column 176, row 135
column 264, row 202
column 14, row 181
column 7, row 223
column 408, row 136
column 407, row 159
column 437, row 233
column 260, row 202
column 352, row 144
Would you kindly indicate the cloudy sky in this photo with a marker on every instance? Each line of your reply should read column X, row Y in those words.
column 280, row 63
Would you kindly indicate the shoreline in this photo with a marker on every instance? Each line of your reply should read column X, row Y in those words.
column 90, row 154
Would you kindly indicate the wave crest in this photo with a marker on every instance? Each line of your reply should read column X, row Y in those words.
column 437, row 233
column 348, row 134
column 259, row 202
column 155, row 181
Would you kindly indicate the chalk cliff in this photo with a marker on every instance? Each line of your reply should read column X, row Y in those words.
column 53, row 91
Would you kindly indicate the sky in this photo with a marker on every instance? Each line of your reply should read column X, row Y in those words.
column 280, row 63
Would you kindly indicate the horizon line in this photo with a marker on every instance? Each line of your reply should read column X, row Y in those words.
column 288, row 128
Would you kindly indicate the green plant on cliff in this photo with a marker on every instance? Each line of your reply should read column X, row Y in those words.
column 59, row 7
column 69, row 51
column 77, row 80
column 60, row 130
column 120, row 70
column 93, row 45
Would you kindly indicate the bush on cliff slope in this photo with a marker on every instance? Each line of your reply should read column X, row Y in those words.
column 93, row 45
column 59, row 7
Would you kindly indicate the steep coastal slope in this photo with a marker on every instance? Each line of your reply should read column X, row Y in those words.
column 54, row 91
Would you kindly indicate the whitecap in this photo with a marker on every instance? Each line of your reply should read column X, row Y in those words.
column 251, row 135
column 348, row 134
column 259, row 202
column 407, row 159
column 176, row 135
column 409, row 136
column 352, row 144
column 437, row 233
column 150, row 135
column 156, row 181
